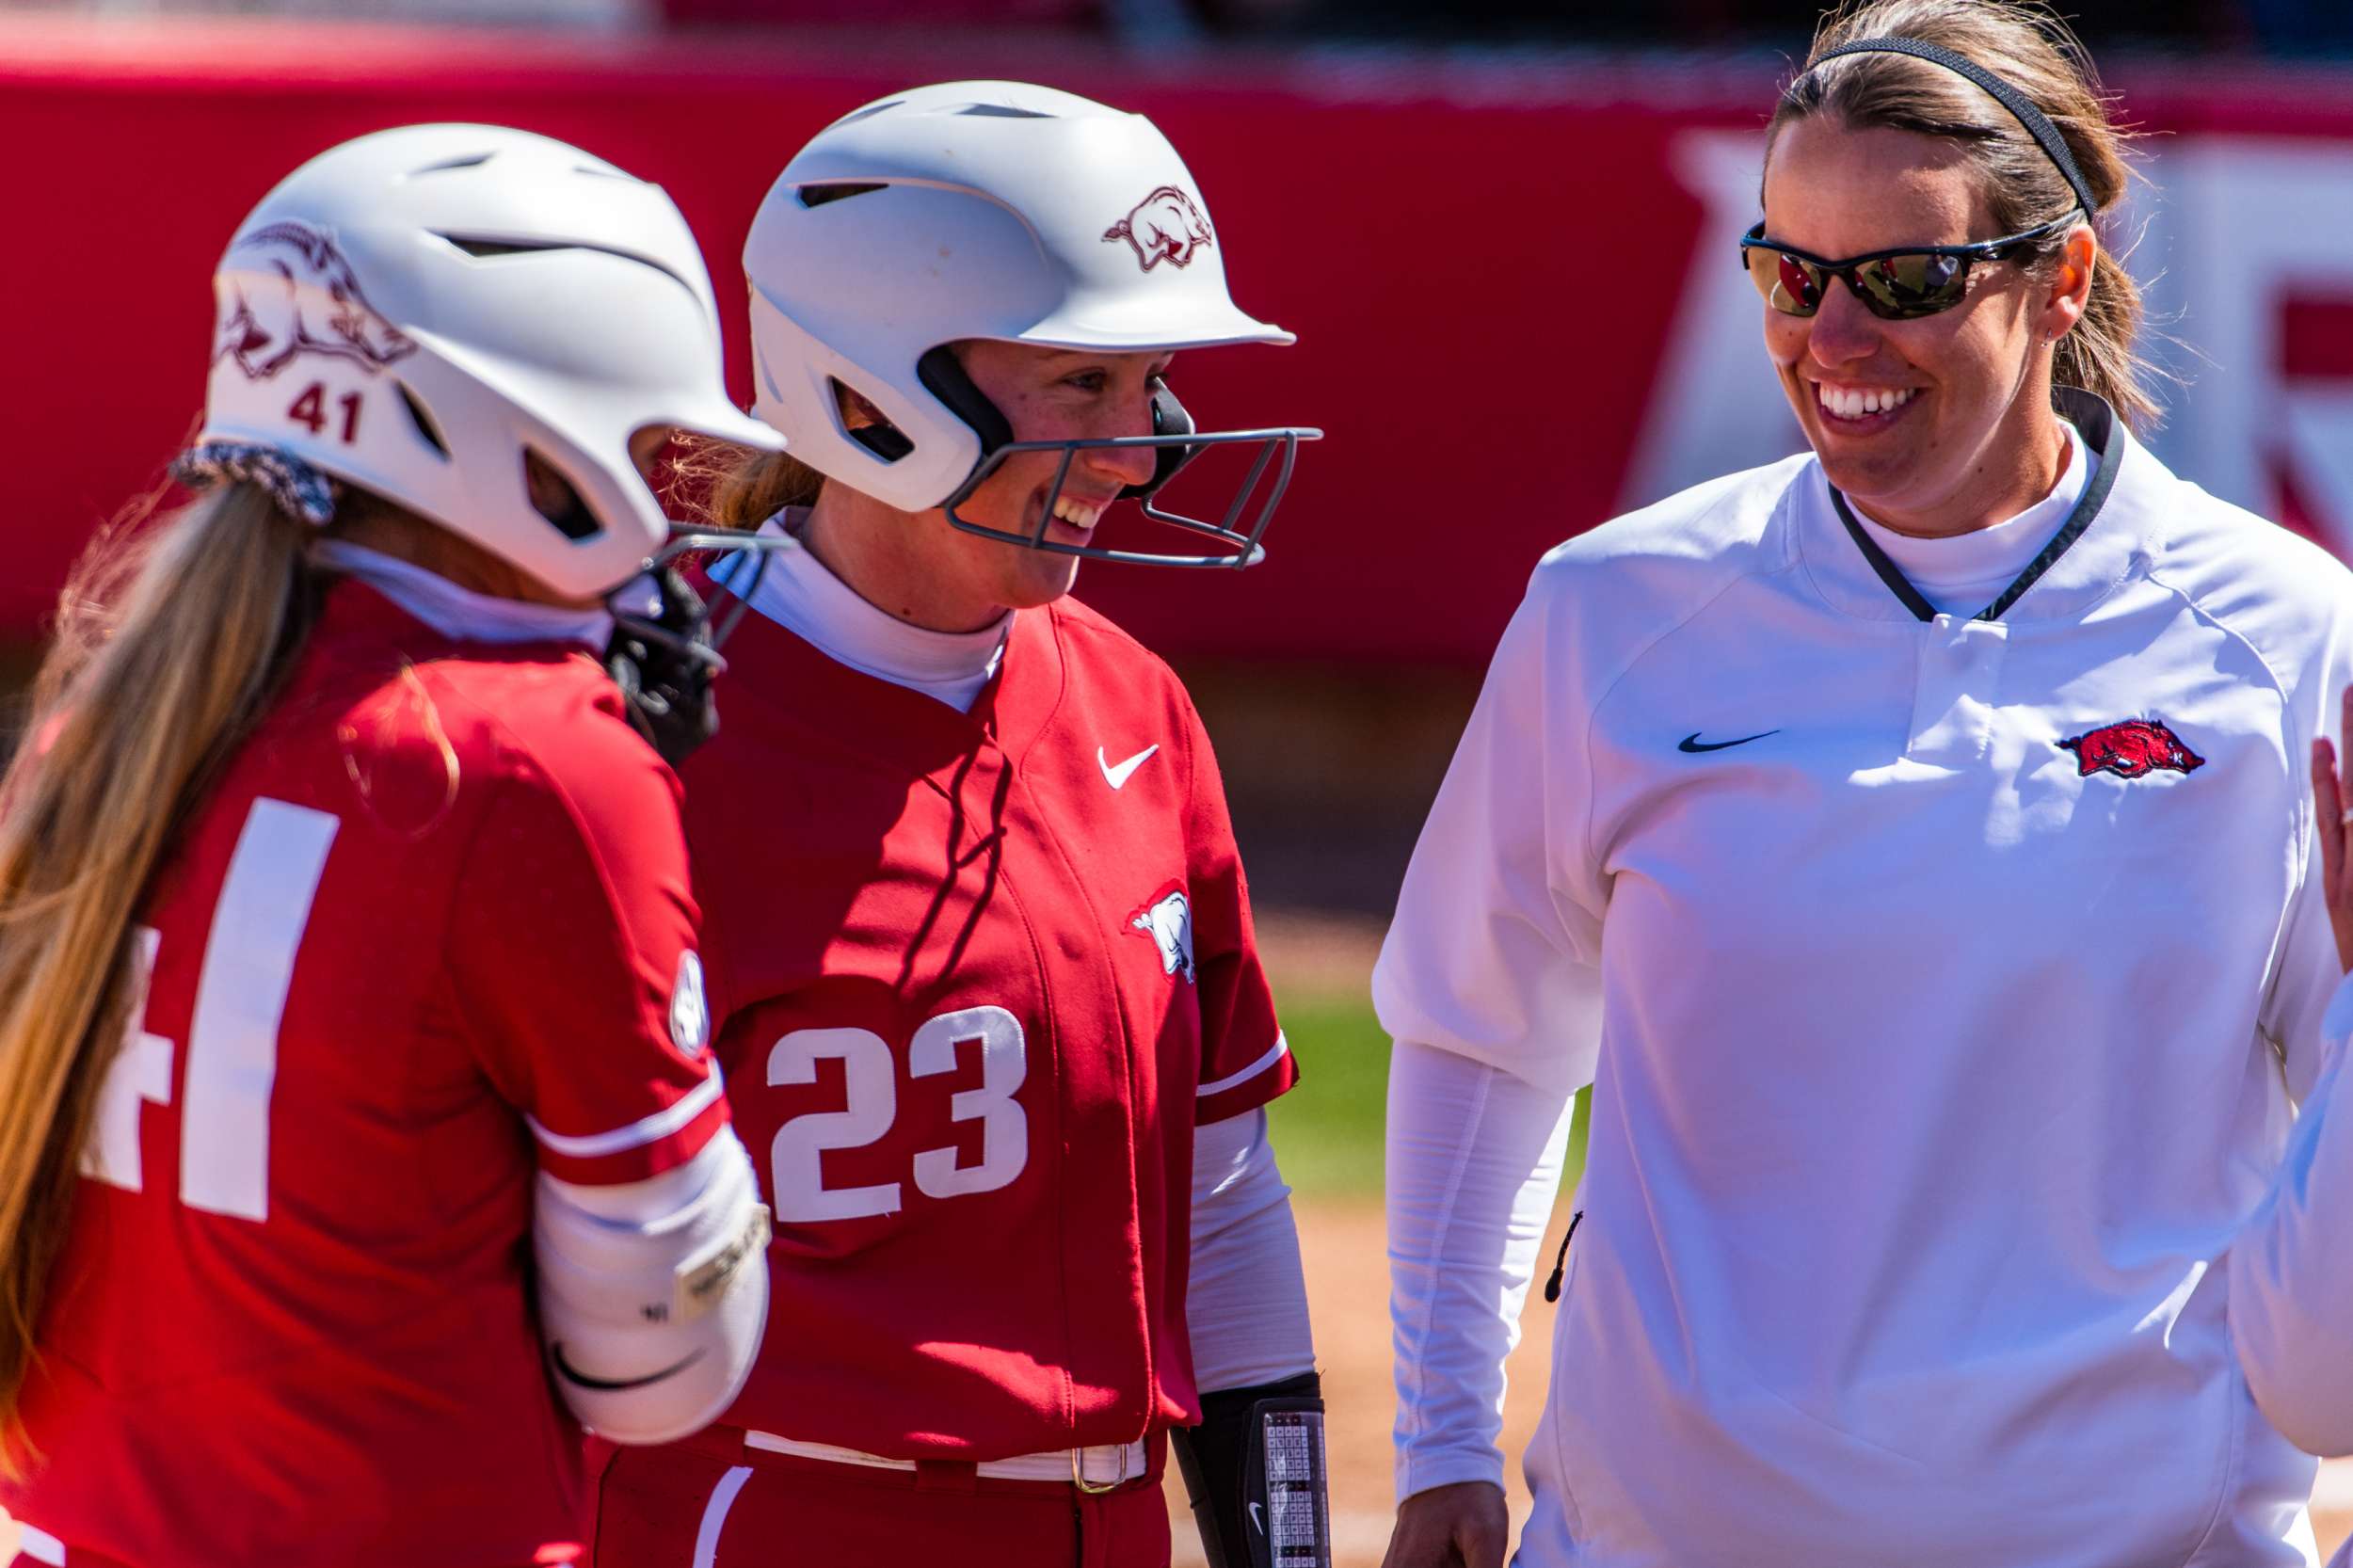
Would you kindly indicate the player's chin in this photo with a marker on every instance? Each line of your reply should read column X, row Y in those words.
column 1876, row 478
column 1039, row 578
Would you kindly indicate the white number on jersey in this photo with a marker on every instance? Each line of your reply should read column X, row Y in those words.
column 1004, row 1125
column 232, row 1037
column 795, row 1159
column 796, row 1177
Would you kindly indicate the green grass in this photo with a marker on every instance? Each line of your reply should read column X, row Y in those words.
column 1327, row 1132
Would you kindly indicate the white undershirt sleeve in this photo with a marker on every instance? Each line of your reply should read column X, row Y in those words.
column 1474, row 1164
column 2292, row 1266
column 1246, row 1299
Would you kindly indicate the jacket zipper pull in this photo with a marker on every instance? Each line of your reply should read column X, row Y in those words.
column 1560, row 1260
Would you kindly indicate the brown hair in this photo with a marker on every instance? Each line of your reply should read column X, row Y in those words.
column 171, row 641
column 732, row 488
column 2030, row 48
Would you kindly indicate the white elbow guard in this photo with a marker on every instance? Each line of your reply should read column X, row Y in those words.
column 652, row 1323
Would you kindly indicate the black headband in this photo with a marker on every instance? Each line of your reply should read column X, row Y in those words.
column 2038, row 124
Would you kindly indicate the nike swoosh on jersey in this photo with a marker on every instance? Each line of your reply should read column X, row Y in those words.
column 1693, row 742
column 1255, row 1520
column 1117, row 774
column 573, row 1374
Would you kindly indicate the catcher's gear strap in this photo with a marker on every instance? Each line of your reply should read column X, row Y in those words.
column 663, row 662
column 1255, row 1473
column 653, row 1295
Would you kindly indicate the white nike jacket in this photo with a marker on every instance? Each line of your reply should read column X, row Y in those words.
column 1959, row 979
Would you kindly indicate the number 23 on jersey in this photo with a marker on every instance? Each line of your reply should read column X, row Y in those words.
column 870, row 1077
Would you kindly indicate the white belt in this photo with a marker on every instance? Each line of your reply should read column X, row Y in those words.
column 1096, row 1469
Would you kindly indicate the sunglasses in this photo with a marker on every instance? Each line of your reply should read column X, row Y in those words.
column 1893, row 285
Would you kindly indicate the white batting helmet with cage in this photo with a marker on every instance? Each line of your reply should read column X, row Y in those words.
column 419, row 310
column 986, row 210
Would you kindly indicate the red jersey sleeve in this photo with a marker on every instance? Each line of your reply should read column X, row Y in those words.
column 572, row 953
column 1246, row 1062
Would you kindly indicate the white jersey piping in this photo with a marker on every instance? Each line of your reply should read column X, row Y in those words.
column 1282, row 1048
column 646, row 1129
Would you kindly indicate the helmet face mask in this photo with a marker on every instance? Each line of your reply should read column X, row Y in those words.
column 1173, row 443
column 991, row 210
column 1238, row 531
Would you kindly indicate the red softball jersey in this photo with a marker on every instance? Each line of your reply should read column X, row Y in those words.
column 430, row 932
column 978, row 976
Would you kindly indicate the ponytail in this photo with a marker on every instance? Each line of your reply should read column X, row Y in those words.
column 170, row 646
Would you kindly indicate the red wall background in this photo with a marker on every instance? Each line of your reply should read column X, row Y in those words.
column 1480, row 262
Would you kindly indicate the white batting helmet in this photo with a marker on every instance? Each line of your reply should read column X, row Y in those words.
column 416, row 310
column 993, row 210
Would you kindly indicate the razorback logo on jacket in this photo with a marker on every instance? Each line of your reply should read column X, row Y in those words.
column 2131, row 748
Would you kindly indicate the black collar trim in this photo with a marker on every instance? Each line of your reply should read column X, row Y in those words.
column 2091, row 415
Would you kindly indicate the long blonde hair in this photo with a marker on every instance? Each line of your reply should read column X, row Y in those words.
column 732, row 487
column 170, row 643
column 729, row 486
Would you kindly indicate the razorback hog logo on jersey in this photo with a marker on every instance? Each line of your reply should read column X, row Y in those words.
column 308, row 301
column 1166, row 226
column 690, row 1015
column 1168, row 920
column 2131, row 749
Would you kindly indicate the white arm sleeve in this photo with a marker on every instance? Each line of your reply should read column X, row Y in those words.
column 1246, row 1301
column 2306, row 979
column 2292, row 1265
column 653, row 1294
column 1474, row 1162
column 2306, row 975
column 1485, row 982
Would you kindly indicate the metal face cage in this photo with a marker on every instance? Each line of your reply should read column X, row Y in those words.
column 1278, row 449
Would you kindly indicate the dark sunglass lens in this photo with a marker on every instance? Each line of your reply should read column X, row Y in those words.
column 1903, row 287
column 1761, row 264
column 1787, row 284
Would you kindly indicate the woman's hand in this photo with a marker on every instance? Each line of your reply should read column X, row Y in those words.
column 1462, row 1525
column 2333, row 812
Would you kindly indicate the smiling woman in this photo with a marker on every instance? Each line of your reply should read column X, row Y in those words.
column 341, row 861
column 1932, row 806
column 918, row 565
column 989, row 992
column 1979, row 281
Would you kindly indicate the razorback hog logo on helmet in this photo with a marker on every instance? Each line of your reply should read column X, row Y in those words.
column 279, row 318
column 2130, row 749
column 1166, row 226
column 1168, row 921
